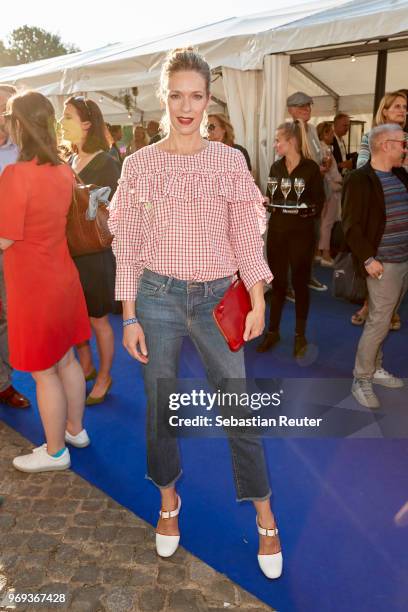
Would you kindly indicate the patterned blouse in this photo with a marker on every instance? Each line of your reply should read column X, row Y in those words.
column 194, row 217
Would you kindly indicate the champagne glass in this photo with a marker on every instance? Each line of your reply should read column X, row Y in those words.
column 299, row 185
column 286, row 186
column 272, row 186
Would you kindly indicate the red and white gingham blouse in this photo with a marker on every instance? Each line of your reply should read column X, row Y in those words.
column 193, row 217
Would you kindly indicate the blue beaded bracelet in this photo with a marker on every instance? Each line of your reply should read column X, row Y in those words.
column 130, row 321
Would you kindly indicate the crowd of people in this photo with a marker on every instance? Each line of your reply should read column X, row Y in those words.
column 186, row 216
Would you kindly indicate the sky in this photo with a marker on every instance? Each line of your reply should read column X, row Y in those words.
column 94, row 23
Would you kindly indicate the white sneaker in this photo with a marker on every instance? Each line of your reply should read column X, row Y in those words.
column 38, row 448
column 81, row 440
column 40, row 461
column 384, row 378
column 362, row 389
column 316, row 285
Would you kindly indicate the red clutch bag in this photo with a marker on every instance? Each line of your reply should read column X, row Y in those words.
column 231, row 312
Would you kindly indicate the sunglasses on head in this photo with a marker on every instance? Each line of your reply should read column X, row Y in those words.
column 6, row 116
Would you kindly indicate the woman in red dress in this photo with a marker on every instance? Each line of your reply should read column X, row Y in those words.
column 47, row 313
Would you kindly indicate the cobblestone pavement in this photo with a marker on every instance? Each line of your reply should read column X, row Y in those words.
column 59, row 534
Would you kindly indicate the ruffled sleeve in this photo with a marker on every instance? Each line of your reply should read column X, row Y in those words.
column 240, row 186
column 247, row 221
column 13, row 203
column 125, row 225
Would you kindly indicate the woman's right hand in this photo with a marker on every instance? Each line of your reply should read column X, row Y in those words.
column 135, row 343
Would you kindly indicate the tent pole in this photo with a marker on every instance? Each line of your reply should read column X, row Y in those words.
column 381, row 77
column 344, row 52
column 219, row 102
column 319, row 83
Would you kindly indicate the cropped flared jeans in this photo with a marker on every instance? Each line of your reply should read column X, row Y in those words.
column 169, row 310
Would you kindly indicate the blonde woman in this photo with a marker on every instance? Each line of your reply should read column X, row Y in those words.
column 220, row 130
column 185, row 220
column 140, row 139
column 291, row 238
column 392, row 109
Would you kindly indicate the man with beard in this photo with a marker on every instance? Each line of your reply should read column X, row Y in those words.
column 8, row 155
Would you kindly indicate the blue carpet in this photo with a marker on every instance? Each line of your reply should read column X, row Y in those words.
column 335, row 500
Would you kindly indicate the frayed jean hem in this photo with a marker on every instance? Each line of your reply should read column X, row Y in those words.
column 254, row 499
column 167, row 486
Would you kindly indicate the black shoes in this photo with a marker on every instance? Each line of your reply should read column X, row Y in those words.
column 270, row 339
column 300, row 346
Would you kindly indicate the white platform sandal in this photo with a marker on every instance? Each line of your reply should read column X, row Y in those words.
column 166, row 545
column 271, row 565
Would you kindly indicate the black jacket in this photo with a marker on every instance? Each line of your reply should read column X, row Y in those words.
column 363, row 212
column 337, row 153
column 245, row 154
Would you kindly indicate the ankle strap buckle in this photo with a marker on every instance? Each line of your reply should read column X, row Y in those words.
column 171, row 513
column 266, row 532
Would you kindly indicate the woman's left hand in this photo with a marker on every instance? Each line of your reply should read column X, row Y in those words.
column 254, row 324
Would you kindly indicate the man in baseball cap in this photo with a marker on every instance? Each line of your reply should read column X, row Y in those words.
column 300, row 107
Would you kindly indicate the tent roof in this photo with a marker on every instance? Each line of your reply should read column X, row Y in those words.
column 238, row 42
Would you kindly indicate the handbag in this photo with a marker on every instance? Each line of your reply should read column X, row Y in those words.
column 337, row 237
column 347, row 283
column 87, row 220
column 231, row 312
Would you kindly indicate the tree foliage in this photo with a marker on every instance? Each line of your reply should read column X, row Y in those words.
column 4, row 57
column 28, row 44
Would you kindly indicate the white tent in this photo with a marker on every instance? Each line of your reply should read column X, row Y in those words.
column 251, row 57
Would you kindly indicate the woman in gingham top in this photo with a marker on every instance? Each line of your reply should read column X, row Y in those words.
column 187, row 215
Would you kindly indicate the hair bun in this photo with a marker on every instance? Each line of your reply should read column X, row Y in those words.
column 180, row 51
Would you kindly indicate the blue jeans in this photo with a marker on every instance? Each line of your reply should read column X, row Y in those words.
column 168, row 310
